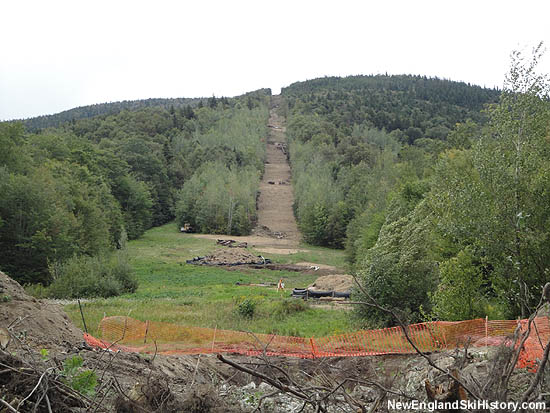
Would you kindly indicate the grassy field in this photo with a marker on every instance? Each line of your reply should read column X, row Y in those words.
column 318, row 255
column 172, row 291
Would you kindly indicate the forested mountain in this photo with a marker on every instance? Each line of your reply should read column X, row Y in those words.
column 356, row 135
column 438, row 190
column 105, row 109
column 442, row 207
column 71, row 195
column 417, row 106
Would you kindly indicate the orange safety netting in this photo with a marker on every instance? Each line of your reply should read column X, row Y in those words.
column 127, row 334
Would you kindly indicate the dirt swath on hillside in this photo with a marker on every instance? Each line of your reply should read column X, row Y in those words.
column 275, row 215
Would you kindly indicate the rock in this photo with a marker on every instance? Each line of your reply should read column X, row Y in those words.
column 5, row 338
column 265, row 387
column 250, row 386
column 366, row 394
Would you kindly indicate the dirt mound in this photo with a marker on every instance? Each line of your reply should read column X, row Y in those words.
column 334, row 282
column 233, row 256
column 40, row 323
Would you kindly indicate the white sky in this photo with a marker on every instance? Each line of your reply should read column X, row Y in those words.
column 56, row 55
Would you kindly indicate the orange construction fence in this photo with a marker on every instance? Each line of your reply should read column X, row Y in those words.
column 127, row 334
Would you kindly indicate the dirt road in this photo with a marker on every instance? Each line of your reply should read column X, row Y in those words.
column 276, row 196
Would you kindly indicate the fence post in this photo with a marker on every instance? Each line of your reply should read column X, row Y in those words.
column 146, row 331
column 486, row 332
column 214, row 337
column 313, row 351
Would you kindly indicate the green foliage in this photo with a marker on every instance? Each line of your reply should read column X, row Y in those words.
column 44, row 354
column 460, row 293
column 246, row 308
column 418, row 105
column 98, row 276
column 322, row 214
column 353, row 139
column 219, row 200
column 288, row 307
column 82, row 380
column 37, row 290
column 220, row 196
column 136, row 203
column 12, row 156
column 443, row 186
column 494, row 197
column 400, row 271
column 103, row 109
column 49, row 217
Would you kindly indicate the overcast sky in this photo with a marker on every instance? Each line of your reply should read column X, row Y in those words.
column 56, row 55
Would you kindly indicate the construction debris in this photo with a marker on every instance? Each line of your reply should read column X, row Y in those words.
column 231, row 243
column 282, row 147
column 186, row 228
column 256, row 284
column 306, row 293
column 263, row 231
column 230, row 258
column 225, row 242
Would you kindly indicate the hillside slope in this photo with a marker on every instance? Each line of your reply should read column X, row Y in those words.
column 100, row 109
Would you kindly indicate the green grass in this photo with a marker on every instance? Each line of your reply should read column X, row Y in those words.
column 172, row 291
column 311, row 253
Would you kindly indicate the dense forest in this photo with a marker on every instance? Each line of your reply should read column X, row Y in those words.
column 438, row 191
column 72, row 195
column 360, row 136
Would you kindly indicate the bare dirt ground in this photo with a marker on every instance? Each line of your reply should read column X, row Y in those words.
column 276, row 196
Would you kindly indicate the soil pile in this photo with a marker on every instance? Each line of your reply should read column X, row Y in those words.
column 334, row 282
column 43, row 324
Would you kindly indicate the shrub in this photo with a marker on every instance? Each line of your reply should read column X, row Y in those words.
column 82, row 380
column 100, row 276
column 37, row 290
column 288, row 307
column 246, row 309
